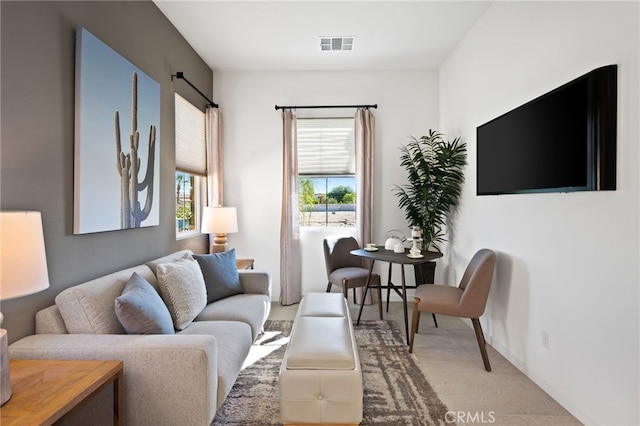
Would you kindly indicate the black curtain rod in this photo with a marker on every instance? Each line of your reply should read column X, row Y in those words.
column 325, row 106
column 181, row 76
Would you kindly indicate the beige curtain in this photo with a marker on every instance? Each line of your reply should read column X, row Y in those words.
column 365, row 141
column 364, row 129
column 290, row 258
column 213, row 128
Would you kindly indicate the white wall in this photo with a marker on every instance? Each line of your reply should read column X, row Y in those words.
column 568, row 263
column 407, row 104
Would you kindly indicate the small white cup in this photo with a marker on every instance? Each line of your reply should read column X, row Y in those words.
column 398, row 248
column 414, row 252
column 371, row 246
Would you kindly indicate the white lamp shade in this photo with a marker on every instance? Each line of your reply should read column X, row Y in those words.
column 23, row 267
column 219, row 220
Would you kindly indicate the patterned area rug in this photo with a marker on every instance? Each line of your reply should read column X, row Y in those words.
column 396, row 391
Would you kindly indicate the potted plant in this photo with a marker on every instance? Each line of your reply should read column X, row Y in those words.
column 435, row 177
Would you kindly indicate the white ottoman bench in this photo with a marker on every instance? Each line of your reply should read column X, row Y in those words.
column 320, row 375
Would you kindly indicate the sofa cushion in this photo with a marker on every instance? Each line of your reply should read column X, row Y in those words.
column 140, row 309
column 88, row 308
column 235, row 308
column 220, row 274
column 182, row 288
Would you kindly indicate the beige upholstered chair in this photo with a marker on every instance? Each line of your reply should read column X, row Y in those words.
column 468, row 300
column 343, row 268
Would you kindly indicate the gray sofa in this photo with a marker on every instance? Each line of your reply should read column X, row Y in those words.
column 169, row 379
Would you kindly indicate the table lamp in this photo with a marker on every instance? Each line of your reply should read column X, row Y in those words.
column 219, row 221
column 23, row 271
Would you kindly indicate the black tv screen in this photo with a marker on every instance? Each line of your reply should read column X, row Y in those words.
column 564, row 140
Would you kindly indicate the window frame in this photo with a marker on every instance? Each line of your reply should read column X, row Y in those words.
column 323, row 175
column 199, row 191
column 328, row 224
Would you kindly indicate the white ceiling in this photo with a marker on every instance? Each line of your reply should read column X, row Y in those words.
column 284, row 35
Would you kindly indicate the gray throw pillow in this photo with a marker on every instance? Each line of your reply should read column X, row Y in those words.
column 140, row 309
column 182, row 289
column 220, row 274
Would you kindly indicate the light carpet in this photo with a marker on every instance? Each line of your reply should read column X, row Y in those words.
column 396, row 390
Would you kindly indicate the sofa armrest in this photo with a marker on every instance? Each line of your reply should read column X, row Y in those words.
column 50, row 321
column 258, row 282
column 167, row 379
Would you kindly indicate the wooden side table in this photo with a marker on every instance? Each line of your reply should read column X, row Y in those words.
column 45, row 390
column 244, row 263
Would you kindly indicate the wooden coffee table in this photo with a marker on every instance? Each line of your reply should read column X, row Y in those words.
column 45, row 390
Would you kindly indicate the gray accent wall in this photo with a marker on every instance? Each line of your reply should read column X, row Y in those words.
column 37, row 133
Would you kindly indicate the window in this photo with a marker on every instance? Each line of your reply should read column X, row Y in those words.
column 191, row 166
column 187, row 203
column 326, row 172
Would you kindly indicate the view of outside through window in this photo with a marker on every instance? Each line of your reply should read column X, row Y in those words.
column 185, row 202
column 327, row 201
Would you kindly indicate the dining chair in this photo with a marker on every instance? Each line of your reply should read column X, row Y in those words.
column 468, row 300
column 343, row 268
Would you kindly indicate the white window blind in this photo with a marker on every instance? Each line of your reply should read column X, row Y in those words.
column 191, row 148
column 326, row 146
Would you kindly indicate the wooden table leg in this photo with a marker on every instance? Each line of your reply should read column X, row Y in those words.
column 364, row 296
column 380, row 298
column 404, row 304
column 118, row 400
column 389, row 284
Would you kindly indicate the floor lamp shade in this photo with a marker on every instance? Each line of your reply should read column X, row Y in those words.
column 23, row 271
column 219, row 221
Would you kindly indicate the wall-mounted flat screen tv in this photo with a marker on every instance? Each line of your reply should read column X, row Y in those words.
column 564, row 140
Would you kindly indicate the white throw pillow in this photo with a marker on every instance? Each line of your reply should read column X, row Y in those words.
column 183, row 291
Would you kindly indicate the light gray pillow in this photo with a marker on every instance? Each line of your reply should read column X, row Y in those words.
column 182, row 289
column 220, row 274
column 140, row 309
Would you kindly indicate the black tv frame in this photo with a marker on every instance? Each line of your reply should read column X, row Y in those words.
column 600, row 146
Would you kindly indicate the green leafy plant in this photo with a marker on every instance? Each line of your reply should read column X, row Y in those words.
column 184, row 213
column 435, row 178
column 307, row 200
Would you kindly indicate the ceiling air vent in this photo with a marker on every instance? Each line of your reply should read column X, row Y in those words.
column 336, row 43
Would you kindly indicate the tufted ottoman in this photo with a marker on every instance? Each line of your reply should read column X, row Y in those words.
column 320, row 375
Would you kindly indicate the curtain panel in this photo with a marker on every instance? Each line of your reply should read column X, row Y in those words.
column 213, row 129
column 290, row 256
column 364, row 130
column 364, row 135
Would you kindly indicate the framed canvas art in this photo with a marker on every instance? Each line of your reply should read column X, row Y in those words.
column 117, row 153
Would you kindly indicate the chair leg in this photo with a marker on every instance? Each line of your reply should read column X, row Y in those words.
column 355, row 300
column 345, row 290
column 415, row 321
column 329, row 287
column 481, row 342
column 435, row 321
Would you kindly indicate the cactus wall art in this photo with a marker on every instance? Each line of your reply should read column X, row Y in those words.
column 128, row 167
column 117, row 108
